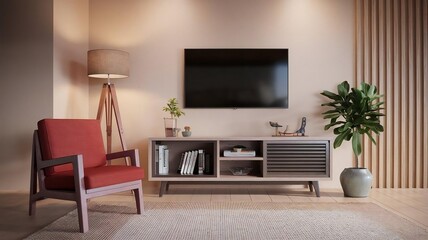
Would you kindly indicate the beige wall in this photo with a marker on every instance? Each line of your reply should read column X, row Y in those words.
column 43, row 69
column 319, row 35
column 71, row 39
column 26, row 84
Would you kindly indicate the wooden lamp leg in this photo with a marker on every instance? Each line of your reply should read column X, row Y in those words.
column 109, row 120
column 102, row 101
column 117, row 115
column 108, row 100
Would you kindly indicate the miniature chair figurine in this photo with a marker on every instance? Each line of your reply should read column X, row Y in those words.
column 69, row 163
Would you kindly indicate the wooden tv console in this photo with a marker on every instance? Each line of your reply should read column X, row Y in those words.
column 281, row 160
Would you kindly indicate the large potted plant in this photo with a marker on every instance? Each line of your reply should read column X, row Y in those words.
column 171, row 123
column 354, row 112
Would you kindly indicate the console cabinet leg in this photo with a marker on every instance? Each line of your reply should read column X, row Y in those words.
column 310, row 186
column 316, row 186
column 163, row 187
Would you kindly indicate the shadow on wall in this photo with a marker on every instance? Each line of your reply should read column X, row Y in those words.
column 23, row 145
column 77, row 75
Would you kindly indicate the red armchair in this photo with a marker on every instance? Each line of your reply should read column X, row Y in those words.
column 69, row 163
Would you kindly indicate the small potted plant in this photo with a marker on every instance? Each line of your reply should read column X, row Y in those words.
column 171, row 123
column 353, row 114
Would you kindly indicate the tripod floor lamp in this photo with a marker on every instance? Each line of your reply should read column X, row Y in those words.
column 108, row 64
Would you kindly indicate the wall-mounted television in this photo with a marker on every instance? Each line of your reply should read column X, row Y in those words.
column 236, row 78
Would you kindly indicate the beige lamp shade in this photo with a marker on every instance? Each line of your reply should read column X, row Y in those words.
column 108, row 63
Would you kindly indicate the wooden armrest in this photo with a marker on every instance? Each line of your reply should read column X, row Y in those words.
column 133, row 154
column 73, row 159
column 77, row 163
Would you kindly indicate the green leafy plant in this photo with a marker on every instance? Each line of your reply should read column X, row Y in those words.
column 354, row 114
column 173, row 108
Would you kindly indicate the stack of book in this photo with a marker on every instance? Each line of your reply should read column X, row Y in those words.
column 243, row 153
column 192, row 162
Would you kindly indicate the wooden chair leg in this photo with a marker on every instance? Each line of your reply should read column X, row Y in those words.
column 31, row 198
column 138, row 193
column 82, row 210
column 31, row 207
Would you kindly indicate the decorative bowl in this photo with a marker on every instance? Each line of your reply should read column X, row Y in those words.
column 186, row 133
column 238, row 148
column 240, row 171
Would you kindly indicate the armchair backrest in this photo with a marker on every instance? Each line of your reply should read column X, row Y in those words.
column 65, row 137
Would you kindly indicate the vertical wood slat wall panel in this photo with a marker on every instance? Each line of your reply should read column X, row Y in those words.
column 425, row 82
column 381, row 176
column 419, row 98
column 404, row 95
column 388, row 94
column 375, row 77
column 410, row 80
column 396, row 94
column 391, row 51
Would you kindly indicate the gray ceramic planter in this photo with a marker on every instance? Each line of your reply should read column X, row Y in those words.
column 356, row 182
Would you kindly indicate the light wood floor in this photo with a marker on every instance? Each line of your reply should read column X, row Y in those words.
column 15, row 223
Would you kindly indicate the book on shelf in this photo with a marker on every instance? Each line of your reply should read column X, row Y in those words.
column 192, row 163
column 163, row 159
column 183, row 156
column 166, row 162
column 184, row 163
column 201, row 161
column 188, row 162
column 156, row 159
column 194, row 160
column 189, row 166
column 243, row 153
column 191, row 170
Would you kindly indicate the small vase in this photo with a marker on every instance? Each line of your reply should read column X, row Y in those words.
column 170, row 127
column 356, row 182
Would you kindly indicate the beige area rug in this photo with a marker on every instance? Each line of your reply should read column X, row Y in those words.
column 234, row 220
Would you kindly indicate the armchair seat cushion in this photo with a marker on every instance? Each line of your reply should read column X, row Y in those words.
column 95, row 177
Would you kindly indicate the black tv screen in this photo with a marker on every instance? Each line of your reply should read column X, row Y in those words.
column 236, row 78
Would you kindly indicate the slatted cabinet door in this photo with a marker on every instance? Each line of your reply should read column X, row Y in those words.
column 297, row 158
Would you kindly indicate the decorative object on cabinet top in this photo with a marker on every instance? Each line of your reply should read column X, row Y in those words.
column 298, row 133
